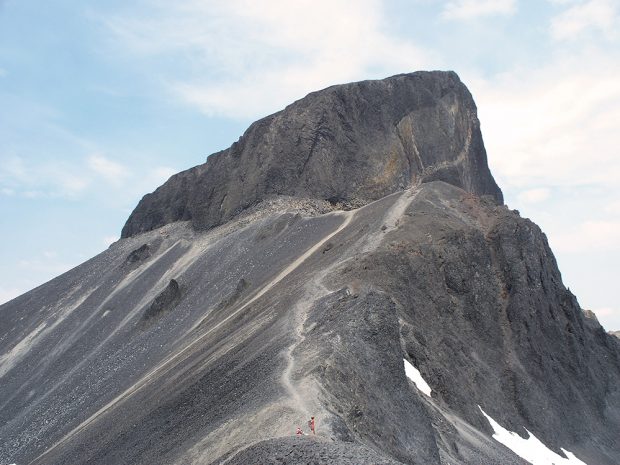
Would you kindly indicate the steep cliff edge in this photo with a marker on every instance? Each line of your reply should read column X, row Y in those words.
column 351, row 144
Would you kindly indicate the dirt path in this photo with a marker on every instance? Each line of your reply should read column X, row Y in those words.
column 316, row 289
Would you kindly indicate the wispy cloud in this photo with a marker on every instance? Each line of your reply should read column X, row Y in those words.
column 613, row 207
column 557, row 127
column 471, row 9
column 606, row 312
column 246, row 59
column 535, row 195
column 19, row 176
column 589, row 236
column 108, row 169
column 593, row 15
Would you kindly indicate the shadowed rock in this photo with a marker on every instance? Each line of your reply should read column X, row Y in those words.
column 138, row 255
column 165, row 301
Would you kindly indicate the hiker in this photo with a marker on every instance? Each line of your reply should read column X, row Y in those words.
column 299, row 432
column 311, row 425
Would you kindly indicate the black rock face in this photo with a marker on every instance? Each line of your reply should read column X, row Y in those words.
column 351, row 143
column 165, row 301
column 139, row 255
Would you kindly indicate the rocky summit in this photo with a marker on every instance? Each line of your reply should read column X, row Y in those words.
column 349, row 144
column 349, row 258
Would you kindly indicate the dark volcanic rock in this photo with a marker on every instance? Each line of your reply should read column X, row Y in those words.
column 297, row 308
column 355, row 339
column 478, row 283
column 139, row 255
column 351, row 143
column 466, row 290
column 306, row 450
column 165, row 301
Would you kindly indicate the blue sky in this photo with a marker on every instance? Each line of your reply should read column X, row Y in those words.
column 101, row 101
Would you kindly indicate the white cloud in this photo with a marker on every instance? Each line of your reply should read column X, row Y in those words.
column 34, row 179
column 13, row 167
column 601, row 15
column 70, row 183
column 588, row 236
column 608, row 317
column 108, row 169
column 606, row 312
column 613, row 207
column 32, row 194
column 536, row 195
column 555, row 125
column 470, row 9
column 252, row 58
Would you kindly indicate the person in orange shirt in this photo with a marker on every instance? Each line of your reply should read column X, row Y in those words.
column 311, row 425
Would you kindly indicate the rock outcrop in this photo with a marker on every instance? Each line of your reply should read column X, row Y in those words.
column 350, row 144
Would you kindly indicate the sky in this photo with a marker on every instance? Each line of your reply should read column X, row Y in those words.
column 100, row 102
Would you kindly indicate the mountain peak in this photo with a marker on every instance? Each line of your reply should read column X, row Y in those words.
column 352, row 143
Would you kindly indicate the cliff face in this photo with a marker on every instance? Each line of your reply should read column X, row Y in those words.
column 197, row 344
column 348, row 144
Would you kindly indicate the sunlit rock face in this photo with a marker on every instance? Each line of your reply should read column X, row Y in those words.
column 321, row 271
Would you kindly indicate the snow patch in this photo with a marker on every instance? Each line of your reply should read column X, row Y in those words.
column 530, row 449
column 414, row 375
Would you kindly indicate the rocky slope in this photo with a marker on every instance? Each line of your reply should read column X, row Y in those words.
column 190, row 344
